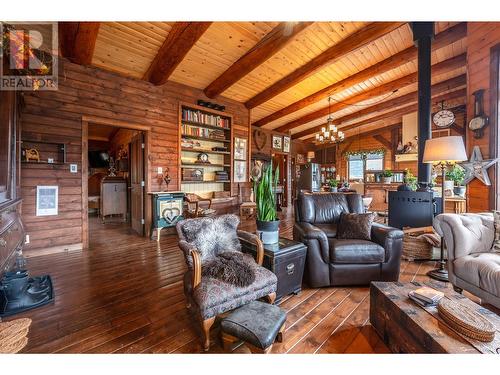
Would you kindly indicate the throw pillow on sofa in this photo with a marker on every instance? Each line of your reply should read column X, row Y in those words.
column 355, row 226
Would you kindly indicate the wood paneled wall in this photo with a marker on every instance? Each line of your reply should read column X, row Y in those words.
column 481, row 37
column 56, row 117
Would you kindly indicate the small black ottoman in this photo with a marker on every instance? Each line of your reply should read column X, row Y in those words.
column 258, row 324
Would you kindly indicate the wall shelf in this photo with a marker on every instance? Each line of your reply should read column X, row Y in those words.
column 205, row 138
column 198, row 150
column 201, row 125
column 204, row 165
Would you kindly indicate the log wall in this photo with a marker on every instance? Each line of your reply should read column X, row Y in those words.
column 56, row 117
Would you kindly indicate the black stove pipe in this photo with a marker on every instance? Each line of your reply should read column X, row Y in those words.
column 423, row 33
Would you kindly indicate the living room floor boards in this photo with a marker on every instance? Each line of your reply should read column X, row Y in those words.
column 125, row 295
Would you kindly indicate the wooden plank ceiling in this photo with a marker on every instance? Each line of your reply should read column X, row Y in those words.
column 284, row 72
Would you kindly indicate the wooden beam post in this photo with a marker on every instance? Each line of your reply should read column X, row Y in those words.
column 442, row 39
column 350, row 44
column 274, row 41
column 176, row 46
column 438, row 88
column 386, row 88
column 77, row 41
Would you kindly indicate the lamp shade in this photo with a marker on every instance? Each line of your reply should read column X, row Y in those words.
column 310, row 154
column 444, row 149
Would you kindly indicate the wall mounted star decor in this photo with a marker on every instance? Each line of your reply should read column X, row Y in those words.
column 476, row 167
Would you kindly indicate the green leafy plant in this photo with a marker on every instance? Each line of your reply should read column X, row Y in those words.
column 387, row 173
column 333, row 182
column 411, row 180
column 265, row 196
column 456, row 174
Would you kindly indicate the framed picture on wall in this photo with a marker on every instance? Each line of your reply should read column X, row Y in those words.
column 47, row 200
column 240, row 148
column 240, row 171
column 277, row 142
column 301, row 159
column 286, row 144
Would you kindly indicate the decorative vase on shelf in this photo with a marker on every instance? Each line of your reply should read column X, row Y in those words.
column 334, row 189
column 387, row 180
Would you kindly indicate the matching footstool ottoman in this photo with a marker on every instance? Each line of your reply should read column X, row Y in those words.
column 257, row 324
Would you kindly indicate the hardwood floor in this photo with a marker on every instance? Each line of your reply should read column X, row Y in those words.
column 124, row 295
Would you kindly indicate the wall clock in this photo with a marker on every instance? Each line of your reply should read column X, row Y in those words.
column 479, row 121
column 443, row 118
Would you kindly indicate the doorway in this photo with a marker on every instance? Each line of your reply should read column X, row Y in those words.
column 281, row 162
column 114, row 178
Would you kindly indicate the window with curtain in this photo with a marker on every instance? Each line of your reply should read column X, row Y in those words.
column 358, row 164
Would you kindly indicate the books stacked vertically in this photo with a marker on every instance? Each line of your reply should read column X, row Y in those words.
column 188, row 130
column 425, row 296
column 204, row 118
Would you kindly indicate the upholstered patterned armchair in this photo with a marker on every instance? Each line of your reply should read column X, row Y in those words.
column 201, row 240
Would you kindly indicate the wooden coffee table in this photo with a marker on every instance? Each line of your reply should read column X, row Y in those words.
column 406, row 327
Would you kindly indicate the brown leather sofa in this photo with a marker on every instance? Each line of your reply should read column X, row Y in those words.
column 331, row 261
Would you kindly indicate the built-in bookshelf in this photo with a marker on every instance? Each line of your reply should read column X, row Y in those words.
column 209, row 132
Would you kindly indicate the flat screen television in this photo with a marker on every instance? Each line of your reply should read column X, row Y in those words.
column 98, row 159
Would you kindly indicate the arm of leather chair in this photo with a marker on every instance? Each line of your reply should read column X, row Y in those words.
column 389, row 238
column 308, row 232
column 193, row 258
column 254, row 240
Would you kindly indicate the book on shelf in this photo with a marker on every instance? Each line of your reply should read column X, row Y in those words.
column 204, row 118
column 188, row 130
column 426, row 296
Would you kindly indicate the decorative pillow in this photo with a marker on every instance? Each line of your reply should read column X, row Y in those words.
column 355, row 226
column 212, row 235
column 496, row 222
column 231, row 268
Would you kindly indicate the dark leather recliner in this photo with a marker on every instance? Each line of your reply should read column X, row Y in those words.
column 331, row 261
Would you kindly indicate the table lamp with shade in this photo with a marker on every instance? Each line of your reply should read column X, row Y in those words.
column 310, row 156
column 443, row 152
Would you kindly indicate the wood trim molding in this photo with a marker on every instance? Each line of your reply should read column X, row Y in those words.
column 442, row 39
column 115, row 123
column 384, row 141
column 77, row 40
column 387, row 88
column 179, row 41
column 85, row 185
column 494, row 193
column 347, row 45
column 273, row 42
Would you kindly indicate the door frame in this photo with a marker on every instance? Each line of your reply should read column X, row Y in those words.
column 494, row 125
column 86, row 120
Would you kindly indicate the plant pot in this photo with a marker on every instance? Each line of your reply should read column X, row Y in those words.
column 386, row 180
column 334, row 189
column 459, row 190
column 268, row 231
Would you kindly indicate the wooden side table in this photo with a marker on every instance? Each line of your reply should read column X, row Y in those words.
column 459, row 203
column 286, row 260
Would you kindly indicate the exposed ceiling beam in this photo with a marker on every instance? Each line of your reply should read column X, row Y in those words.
column 436, row 89
column 176, row 46
column 386, row 88
column 441, row 40
column 381, row 139
column 396, row 114
column 274, row 41
column 347, row 45
column 77, row 41
column 371, row 133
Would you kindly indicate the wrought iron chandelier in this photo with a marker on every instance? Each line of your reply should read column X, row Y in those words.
column 330, row 133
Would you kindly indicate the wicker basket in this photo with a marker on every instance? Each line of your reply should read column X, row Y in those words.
column 415, row 248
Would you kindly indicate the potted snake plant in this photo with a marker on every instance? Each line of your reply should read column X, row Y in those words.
column 265, row 198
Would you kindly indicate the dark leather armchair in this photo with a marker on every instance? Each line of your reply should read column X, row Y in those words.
column 332, row 261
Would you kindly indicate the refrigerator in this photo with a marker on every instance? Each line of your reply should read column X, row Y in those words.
column 310, row 178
